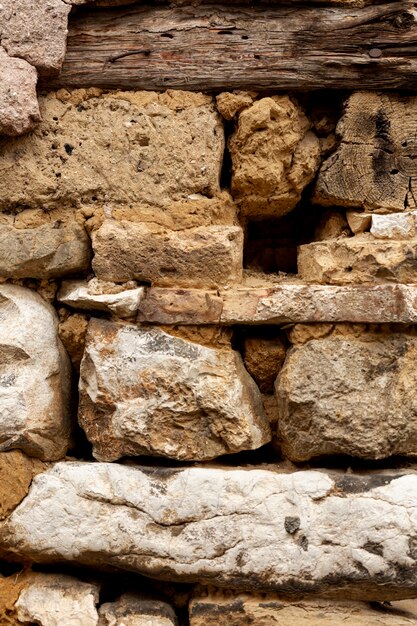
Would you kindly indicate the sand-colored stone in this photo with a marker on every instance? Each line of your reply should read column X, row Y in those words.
column 359, row 259
column 72, row 330
column 131, row 148
column 274, row 156
column 205, row 256
column 19, row 110
column 332, row 224
column 94, row 296
column 137, row 610
column 350, row 394
column 146, row 392
column 263, row 359
column 358, row 222
column 230, row 104
column 16, row 473
column 48, row 251
column 374, row 166
column 215, row 607
column 291, row 533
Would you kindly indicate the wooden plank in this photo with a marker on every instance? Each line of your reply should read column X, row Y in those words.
column 218, row 47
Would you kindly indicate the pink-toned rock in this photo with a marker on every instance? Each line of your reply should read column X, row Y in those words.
column 19, row 109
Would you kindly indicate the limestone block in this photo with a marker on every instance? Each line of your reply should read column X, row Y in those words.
column 374, row 166
column 217, row 607
column 135, row 610
column 291, row 533
column 263, row 359
column 89, row 295
column 19, row 109
column 357, row 396
column 34, row 376
column 123, row 148
column 143, row 391
column 48, row 251
column 393, row 226
column 203, row 256
column 58, row 600
column 359, row 259
column 281, row 304
column 274, row 156
column 358, row 222
column 35, row 31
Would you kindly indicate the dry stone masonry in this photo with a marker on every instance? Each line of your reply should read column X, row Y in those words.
column 208, row 310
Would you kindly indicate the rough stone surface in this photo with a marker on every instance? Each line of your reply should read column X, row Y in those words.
column 19, row 110
column 263, row 359
column 274, row 156
column 204, row 256
column 217, row 607
column 153, row 149
column 332, row 224
column 72, row 330
column 58, row 600
column 49, row 251
column 88, row 295
column 374, row 165
column 16, row 473
column 35, row 31
column 143, row 391
column 308, row 531
column 359, row 259
column 358, row 222
column 230, row 104
column 135, row 610
column 394, row 226
column 357, row 396
column 281, row 304
column 34, row 376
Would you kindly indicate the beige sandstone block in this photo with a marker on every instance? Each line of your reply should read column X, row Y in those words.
column 230, row 104
column 16, row 474
column 48, row 251
column 216, row 607
column 358, row 222
column 123, row 148
column 374, row 166
column 143, row 391
column 19, row 110
column 136, row 610
column 274, row 156
column 95, row 295
column 357, row 396
column 291, row 533
column 34, row 376
column 263, row 359
column 359, row 259
column 204, row 256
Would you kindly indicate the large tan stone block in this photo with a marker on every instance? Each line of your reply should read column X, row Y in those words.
column 143, row 391
column 207, row 256
column 19, row 110
column 130, row 148
column 292, row 533
column 349, row 393
column 274, row 156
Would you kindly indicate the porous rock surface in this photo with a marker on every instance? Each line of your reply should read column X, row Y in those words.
column 357, row 395
column 215, row 607
column 34, row 376
column 308, row 531
column 204, row 256
column 263, row 359
column 136, row 610
column 359, row 259
column 47, row 251
column 374, row 165
column 153, row 150
column 144, row 391
column 19, row 109
column 274, row 156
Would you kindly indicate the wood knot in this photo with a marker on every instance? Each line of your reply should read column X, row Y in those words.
column 403, row 20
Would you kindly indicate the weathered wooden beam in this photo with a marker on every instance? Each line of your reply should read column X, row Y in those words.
column 217, row 47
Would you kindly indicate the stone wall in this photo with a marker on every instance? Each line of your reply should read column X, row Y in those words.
column 208, row 311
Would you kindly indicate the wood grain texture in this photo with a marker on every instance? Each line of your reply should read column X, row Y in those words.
column 218, row 47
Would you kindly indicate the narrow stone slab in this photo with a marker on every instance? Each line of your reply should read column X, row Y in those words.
column 217, row 607
column 144, row 391
column 292, row 533
column 81, row 294
column 43, row 252
column 360, row 259
column 281, row 304
column 137, row 610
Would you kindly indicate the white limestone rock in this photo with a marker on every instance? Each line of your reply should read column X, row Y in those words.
column 143, row 391
column 81, row 294
column 292, row 533
column 393, row 226
column 58, row 600
column 34, row 376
